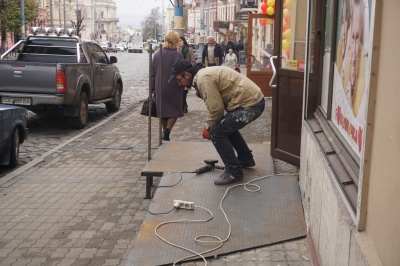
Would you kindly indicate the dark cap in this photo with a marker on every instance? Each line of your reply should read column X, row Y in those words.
column 180, row 66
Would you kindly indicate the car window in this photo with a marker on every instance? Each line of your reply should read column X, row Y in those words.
column 98, row 54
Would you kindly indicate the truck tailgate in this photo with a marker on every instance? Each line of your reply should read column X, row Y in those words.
column 25, row 77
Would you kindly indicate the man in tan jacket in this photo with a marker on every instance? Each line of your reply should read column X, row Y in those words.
column 224, row 90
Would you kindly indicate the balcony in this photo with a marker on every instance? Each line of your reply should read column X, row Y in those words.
column 243, row 15
column 221, row 25
column 109, row 20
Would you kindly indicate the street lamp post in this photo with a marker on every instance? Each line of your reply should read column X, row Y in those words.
column 65, row 19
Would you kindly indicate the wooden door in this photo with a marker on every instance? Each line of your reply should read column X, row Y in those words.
column 287, row 96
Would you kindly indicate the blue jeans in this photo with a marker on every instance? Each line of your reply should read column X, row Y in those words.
column 227, row 139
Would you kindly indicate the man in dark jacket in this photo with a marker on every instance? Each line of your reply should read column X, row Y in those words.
column 239, row 47
column 212, row 53
column 230, row 45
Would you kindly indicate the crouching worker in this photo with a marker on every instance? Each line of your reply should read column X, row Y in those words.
column 224, row 89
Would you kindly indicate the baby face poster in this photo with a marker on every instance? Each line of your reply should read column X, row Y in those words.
column 351, row 71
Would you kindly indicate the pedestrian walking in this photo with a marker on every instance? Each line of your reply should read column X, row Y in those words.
column 231, row 59
column 212, row 53
column 230, row 45
column 239, row 47
column 188, row 54
column 167, row 94
column 224, row 90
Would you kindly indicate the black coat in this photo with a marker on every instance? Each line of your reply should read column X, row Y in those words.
column 217, row 54
column 230, row 45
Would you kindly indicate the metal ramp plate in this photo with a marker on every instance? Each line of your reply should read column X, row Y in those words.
column 272, row 215
column 180, row 157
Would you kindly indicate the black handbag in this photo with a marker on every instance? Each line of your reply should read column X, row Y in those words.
column 145, row 107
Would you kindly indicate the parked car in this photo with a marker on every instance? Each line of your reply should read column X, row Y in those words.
column 120, row 47
column 103, row 45
column 13, row 132
column 111, row 48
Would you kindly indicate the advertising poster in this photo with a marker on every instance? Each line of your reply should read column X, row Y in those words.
column 351, row 71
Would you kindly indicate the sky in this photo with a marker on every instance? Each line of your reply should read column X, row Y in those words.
column 133, row 12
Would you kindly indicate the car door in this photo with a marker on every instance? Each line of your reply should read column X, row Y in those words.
column 103, row 73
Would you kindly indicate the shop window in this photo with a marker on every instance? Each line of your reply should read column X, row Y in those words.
column 294, row 23
column 344, row 89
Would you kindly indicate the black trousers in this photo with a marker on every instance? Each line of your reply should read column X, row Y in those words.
column 227, row 139
column 185, row 106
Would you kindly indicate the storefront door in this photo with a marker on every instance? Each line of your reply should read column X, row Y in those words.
column 287, row 95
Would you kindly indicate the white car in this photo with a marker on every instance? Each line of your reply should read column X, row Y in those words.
column 103, row 45
column 120, row 47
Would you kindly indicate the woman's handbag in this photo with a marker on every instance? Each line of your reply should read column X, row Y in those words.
column 145, row 107
column 237, row 69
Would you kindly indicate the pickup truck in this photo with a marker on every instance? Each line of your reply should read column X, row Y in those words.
column 13, row 132
column 60, row 72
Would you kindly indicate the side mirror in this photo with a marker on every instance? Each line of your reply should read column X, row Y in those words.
column 113, row 59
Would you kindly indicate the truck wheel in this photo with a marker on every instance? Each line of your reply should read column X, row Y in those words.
column 14, row 149
column 116, row 102
column 80, row 120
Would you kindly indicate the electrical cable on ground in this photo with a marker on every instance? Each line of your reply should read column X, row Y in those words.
column 154, row 190
column 217, row 239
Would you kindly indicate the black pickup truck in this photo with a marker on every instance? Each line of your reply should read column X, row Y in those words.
column 50, row 71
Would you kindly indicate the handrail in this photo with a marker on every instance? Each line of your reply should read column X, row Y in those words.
column 271, row 59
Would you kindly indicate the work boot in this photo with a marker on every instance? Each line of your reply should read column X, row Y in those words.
column 228, row 178
column 166, row 133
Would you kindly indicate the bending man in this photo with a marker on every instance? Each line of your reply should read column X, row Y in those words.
column 224, row 89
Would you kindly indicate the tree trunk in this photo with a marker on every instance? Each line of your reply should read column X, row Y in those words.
column 3, row 40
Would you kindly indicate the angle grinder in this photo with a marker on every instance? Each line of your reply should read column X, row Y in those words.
column 210, row 165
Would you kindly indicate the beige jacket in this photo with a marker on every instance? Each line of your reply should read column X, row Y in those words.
column 224, row 89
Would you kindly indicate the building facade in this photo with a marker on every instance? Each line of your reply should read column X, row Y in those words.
column 99, row 19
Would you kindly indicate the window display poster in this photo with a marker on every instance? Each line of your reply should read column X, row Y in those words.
column 351, row 71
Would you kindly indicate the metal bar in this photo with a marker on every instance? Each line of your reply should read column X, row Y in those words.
column 11, row 49
column 149, row 183
column 149, row 111
column 161, row 89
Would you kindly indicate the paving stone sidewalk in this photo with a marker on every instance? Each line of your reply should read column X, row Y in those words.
column 84, row 202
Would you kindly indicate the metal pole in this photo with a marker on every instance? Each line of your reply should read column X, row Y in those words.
column 22, row 19
column 78, row 17
column 201, row 39
column 163, row 18
column 178, row 17
column 51, row 14
column 150, row 95
column 208, row 17
column 65, row 19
